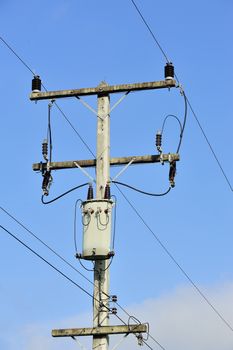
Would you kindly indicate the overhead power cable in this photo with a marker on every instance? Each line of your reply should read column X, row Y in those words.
column 151, row 32
column 69, row 264
column 203, row 296
column 44, row 244
column 63, row 194
column 71, row 280
column 46, row 261
column 143, row 192
column 210, row 146
column 190, row 106
column 58, row 107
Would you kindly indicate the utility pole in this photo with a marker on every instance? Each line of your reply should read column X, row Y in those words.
column 101, row 271
column 102, row 204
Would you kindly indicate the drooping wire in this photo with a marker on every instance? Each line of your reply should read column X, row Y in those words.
column 176, row 262
column 58, row 107
column 173, row 116
column 182, row 126
column 184, row 121
column 63, row 194
column 143, row 192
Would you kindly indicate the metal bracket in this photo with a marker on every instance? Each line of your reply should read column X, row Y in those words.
column 84, row 172
column 124, row 169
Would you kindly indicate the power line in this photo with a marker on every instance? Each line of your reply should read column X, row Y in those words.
column 151, row 32
column 190, row 106
column 46, row 261
column 44, row 244
column 67, row 263
column 209, row 144
column 71, row 280
column 15, row 53
column 176, row 262
column 63, row 194
column 58, row 107
column 143, row 192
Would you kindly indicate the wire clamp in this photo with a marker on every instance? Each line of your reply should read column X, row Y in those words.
column 161, row 158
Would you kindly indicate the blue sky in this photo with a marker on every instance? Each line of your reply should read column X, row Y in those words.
column 74, row 44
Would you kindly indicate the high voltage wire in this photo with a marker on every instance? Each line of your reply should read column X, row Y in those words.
column 176, row 262
column 190, row 106
column 58, row 107
column 46, row 261
column 74, row 283
column 86, row 145
column 161, row 244
column 67, row 263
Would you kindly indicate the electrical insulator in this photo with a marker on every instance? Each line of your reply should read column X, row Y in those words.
column 169, row 71
column 45, row 149
column 90, row 192
column 158, row 141
column 36, row 84
column 114, row 298
column 114, row 310
column 107, row 194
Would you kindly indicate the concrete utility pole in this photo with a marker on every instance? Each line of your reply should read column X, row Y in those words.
column 101, row 271
column 101, row 329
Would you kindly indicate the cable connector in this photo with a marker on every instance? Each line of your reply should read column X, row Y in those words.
column 179, row 86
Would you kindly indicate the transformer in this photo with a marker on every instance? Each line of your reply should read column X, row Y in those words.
column 96, row 220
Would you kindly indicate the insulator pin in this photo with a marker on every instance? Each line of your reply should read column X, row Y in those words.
column 169, row 71
column 36, row 84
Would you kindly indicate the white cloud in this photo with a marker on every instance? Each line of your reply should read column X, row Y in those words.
column 179, row 320
column 183, row 320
